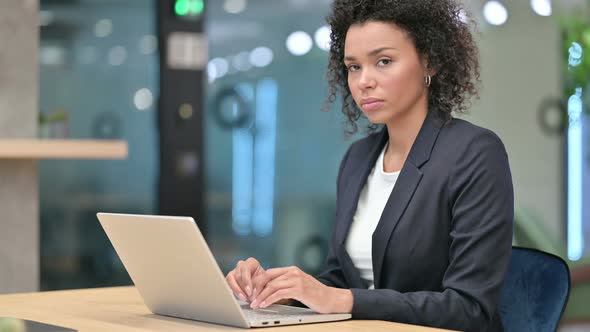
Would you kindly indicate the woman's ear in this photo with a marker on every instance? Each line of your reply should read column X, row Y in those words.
column 428, row 70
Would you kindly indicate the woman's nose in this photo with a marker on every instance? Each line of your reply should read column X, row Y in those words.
column 366, row 80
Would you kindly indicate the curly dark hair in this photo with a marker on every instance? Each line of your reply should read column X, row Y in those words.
column 440, row 31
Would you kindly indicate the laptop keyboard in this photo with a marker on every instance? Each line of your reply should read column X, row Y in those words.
column 266, row 314
column 258, row 315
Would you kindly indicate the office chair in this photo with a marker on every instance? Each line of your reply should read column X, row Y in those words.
column 535, row 291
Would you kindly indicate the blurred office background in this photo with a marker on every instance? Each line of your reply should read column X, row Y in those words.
column 262, row 166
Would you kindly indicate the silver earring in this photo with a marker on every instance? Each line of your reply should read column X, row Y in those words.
column 428, row 80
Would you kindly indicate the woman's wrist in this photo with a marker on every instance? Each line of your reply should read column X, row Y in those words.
column 342, row 300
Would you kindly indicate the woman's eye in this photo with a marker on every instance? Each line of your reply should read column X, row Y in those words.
column 353, row 68
column 384, row 62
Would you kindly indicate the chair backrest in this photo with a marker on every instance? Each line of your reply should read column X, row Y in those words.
column 535, row 291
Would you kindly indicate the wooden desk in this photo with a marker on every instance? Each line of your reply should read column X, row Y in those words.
column 121, row 309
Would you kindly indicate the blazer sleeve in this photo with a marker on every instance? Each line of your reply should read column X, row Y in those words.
column 482, row 206
column 332, row 275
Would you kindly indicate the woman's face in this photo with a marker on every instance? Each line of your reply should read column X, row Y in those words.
column 385, row 72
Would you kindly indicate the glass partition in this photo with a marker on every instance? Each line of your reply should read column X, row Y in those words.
column 98, row 80
column 272, row 155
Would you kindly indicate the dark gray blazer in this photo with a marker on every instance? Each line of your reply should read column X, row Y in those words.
column 442, row 245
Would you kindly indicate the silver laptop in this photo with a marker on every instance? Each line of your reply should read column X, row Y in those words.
column 176, row 274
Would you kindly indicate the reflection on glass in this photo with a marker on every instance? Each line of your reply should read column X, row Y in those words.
column 264, row 156
column 322, row 37
column 243, row 174
column 575, row 162
column 271, row 154
column 575, row 231
column 254, row 161
column 98, row 67
column 261, row 56
column 299, row 43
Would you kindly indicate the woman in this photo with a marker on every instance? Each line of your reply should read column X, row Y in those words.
column 424, row 206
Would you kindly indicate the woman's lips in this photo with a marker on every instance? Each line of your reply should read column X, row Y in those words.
column 372, row 105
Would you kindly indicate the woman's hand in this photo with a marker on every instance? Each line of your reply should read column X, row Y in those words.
column 278, row 284
column 240, row 278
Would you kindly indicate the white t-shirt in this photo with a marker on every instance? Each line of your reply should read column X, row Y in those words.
column 372, row 200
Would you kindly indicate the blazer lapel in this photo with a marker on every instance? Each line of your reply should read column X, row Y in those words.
column 355, row 186
column 403, row 191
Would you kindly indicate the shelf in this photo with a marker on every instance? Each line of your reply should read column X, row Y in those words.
column 62, row 149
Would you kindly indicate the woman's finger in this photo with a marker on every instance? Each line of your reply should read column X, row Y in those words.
column 260, row 281
column 270, row 288
column 281, row 294
column 235, row 287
